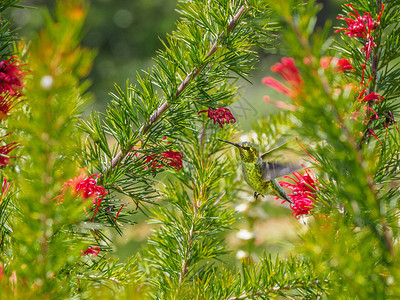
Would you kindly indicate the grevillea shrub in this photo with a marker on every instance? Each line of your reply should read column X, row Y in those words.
column 152, row 164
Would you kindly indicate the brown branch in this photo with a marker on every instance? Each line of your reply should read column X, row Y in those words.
column 164, row 107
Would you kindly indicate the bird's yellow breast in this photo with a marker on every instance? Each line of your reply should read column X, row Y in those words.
column 252, row 174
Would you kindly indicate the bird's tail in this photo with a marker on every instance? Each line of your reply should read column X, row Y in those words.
column 281, row 193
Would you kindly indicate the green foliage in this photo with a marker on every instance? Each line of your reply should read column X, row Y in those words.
column 7, row 207
column 196, row 214
column 353, row 243
column 6, row 38
column 194, row 69
column 47, row 158
column 7, row 4
column 156, row 149
column 292, row 277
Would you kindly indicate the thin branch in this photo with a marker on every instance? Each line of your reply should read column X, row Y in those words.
column 164, row 107
column 374, row 71
column 274, row 290
column 185, row 262
column 195, row 206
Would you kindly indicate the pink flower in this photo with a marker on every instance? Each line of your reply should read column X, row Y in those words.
column 304, row 188
column 170, row 158
column 92, row 250
column 220, row 115
column 354, row 115
column 10, row 76
column 85, row 187
column 290, row 74
column 1, row 271
column 280, row 104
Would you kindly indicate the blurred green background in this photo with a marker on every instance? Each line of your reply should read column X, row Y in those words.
column 127, row 34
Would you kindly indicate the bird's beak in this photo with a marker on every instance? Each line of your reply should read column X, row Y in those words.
column 234, row 144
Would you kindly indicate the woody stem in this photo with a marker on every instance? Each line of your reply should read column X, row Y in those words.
column 165, row 106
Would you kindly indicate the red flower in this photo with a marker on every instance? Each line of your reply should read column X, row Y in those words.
column 369, row 44
column 373, row 97
column 173, row 159
column 358, row 26
column 304, row 191
column 92, row 250
column 170, row 158
column 10, row 76
column 361, row 27
column 372, row 132
column 368, row 99
column 342, row 65
column 4, row 151
column 221, row 115
column 289, row 72
column 86, row 187
column 119, row 211
column 153, row 161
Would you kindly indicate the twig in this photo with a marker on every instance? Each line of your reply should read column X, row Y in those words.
column 164, row 107
column 287, row 287
column 372, row 87
column 185, row 262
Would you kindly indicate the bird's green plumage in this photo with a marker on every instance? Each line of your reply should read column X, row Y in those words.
column 254, row 167
column 252, row 173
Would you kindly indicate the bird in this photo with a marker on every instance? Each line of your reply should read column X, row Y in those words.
column 260, row 175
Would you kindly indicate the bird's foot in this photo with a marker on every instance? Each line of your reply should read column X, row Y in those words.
column 256, row 195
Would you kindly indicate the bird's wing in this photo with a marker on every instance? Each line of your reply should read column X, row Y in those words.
column 272, row 170
column 265, row 154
